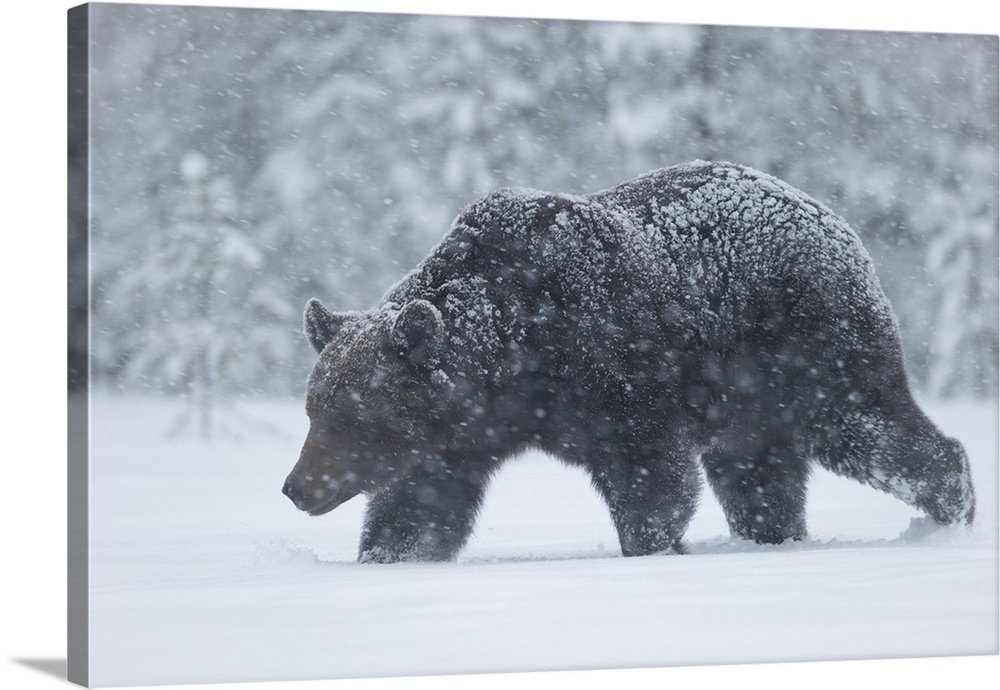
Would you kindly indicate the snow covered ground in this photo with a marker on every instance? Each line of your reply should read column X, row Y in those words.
column 202, row 571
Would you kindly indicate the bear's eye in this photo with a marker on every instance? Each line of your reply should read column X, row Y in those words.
column 410, row 391
column 406, row 386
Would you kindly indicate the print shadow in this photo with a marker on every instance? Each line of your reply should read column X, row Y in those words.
column 50, row 667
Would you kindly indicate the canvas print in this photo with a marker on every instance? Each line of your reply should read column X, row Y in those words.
column 415, row 345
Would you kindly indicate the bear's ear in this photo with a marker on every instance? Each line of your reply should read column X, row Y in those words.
column 417, row 333
column 320, row 324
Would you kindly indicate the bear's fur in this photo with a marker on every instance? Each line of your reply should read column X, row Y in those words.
column 700, row 316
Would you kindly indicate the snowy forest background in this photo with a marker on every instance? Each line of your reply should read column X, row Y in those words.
column 246, row 160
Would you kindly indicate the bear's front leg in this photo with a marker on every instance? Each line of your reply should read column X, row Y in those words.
column 651, row 498
column 429, row 513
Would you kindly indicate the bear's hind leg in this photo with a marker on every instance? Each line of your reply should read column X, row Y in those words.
column 762, row 492
column 428, row 514
column 651, row 501
column 897, row 449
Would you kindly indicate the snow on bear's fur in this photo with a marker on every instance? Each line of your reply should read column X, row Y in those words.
column 702, row 316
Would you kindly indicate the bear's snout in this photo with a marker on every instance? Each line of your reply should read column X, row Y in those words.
column 317, row 497
column 295, row 493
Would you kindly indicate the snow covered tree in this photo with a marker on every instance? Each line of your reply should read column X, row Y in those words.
column 209, row 318
column 962, row 256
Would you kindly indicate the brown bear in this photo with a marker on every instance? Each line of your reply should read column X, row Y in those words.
column 701, row 317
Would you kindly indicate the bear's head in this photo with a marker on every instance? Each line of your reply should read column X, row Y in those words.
column 374, row 401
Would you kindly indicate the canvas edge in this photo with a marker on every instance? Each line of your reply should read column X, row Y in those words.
column 78, row 343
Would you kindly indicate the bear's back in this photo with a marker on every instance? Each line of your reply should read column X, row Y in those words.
column 702, row 257
column 736, row 244
column 742, row 222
